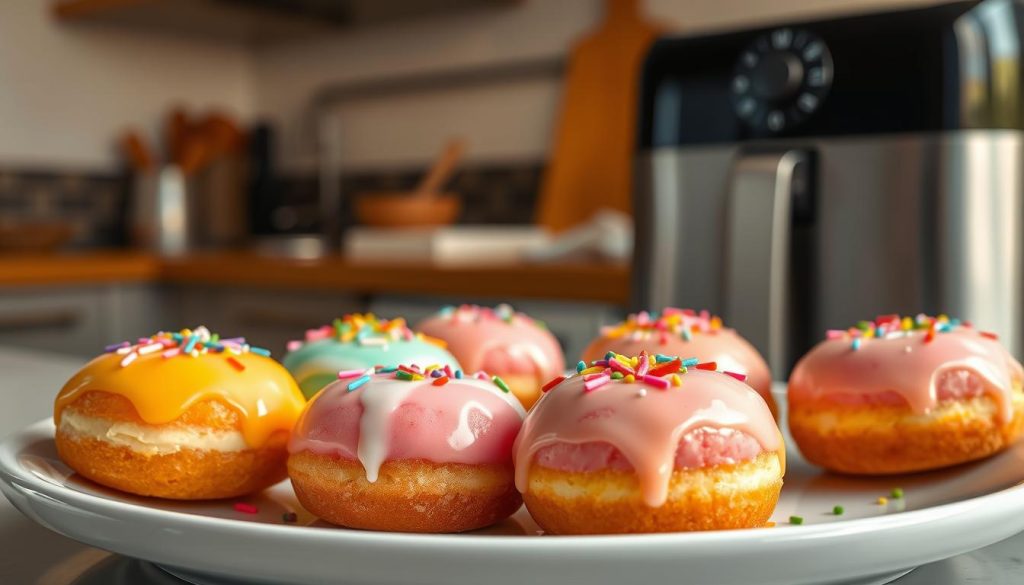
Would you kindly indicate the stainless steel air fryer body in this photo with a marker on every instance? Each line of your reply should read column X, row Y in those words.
column 805, row 177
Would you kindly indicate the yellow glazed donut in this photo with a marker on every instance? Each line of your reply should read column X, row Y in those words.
column 905, row 394
column 179, row 415
column 634, row 444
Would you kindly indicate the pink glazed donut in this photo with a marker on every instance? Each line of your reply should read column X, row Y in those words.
column 646, row 444
column 686, row 332
column 905, row 394
column 501, row 341
column 407, row 450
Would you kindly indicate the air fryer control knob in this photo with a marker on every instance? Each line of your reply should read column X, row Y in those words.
column 776, row 76
column 780, row 79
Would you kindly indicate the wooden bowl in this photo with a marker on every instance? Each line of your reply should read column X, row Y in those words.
column 402, row 209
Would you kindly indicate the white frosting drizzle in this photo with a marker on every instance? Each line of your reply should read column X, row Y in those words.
column 382, row 395
column 463, row 435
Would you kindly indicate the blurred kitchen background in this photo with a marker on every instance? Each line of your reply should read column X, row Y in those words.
column 261, row 166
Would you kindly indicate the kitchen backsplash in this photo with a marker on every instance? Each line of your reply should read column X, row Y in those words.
column 491, row 194
column 95, row 204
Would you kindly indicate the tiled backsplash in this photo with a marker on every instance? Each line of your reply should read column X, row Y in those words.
column 95, row 204
column 491, row 194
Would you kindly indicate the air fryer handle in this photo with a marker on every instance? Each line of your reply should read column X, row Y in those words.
column 758, row 228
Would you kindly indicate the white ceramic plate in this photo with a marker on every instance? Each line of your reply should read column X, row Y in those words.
column 942, row 514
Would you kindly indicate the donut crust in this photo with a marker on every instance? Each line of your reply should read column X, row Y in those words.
column 882, row 439
column 409, row 495
column 741, row 495
column 188, row 473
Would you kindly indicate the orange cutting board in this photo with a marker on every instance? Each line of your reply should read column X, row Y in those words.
column 591, row 163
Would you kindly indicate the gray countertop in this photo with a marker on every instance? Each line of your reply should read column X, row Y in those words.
column 35, row 556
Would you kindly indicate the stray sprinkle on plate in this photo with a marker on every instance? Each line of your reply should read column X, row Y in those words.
column 837, row 510
column 796, row 520
column 246, row 508
column 882, row 500
column 896, row 493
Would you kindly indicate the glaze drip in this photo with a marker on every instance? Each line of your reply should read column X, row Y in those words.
column 644, row 419
column 188, row 368
column 908, row 357
column 410, row 413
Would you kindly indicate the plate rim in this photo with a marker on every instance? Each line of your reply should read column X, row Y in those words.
column 809, row 539
column 11, row 472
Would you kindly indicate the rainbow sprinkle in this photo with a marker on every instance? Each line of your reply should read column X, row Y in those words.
column 355, row 384
column 246, row 508
column 187, row 342
column 896, row 327
column 476, row 313
column 437, row 375
column 658, row 371
column 671, row 322
column 364, row 329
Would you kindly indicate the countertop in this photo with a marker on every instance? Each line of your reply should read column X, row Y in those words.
column 33, row 555
column 578, row 281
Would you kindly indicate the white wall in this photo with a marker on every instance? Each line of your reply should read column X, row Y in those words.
column 511, row 121
column 66, row 91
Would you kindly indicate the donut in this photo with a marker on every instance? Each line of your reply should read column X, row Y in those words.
column 410, row 449
column 686, row 332
column 905, row 394
column 649, row 444
column 184, row 416
column 501, row 341
column 359, row 341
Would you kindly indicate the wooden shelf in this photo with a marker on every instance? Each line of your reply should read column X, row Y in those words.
column 73, row 269
column 598, row 282
column 253, row 21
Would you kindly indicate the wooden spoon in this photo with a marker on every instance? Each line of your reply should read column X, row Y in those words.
column 442, row 169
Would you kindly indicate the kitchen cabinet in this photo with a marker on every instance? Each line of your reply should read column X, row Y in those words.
column 80, row 320
column 77, row 304
column 253, row 21
column 77, row 320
